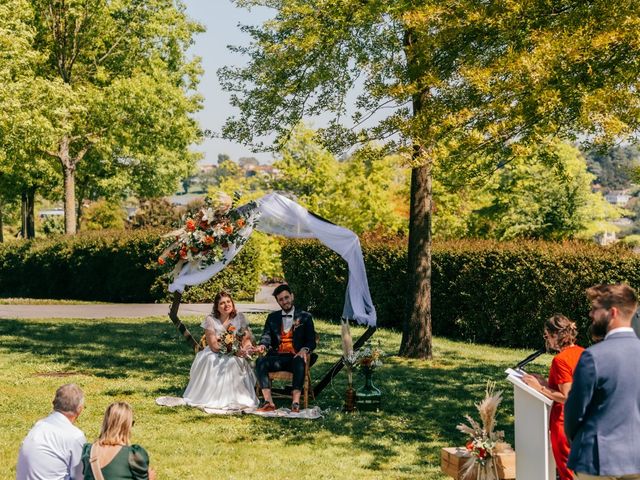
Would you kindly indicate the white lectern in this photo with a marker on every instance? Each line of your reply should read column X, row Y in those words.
column 534, row 458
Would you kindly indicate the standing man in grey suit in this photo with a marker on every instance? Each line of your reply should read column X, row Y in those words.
column 602, row 413
column 289, row 339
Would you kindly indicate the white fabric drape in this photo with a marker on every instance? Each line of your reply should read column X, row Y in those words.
column 278, row 215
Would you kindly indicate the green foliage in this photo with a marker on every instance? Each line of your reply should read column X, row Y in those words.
column 116, row 266
column 111, row 97
column 364, row 192
column 104, row 214
column 53, row 225
column 547, row 196
column 482, row 291
column 156, row 212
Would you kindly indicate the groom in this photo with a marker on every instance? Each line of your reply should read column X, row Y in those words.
column 289, row 337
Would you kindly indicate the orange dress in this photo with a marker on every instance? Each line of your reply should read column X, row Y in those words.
column 561, row 371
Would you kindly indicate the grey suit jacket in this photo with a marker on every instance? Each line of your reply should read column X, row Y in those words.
column 602, row 412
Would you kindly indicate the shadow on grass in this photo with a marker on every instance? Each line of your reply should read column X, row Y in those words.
column 423, row 401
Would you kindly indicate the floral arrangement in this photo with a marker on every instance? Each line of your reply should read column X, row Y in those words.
column 205, row 236
column 484, row 442
column 369, row 357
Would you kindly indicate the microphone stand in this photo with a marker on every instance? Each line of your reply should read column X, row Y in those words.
column 520, row 365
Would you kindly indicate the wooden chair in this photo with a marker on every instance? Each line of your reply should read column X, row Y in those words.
column 286, row 376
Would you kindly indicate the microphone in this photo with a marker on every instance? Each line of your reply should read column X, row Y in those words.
column 530, row 358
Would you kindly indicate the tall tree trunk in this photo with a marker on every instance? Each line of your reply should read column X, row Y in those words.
column 1, row 223
column 30, row 212
column 69, row 172
column 27, row 215
column 23, row 214
column 416, row 334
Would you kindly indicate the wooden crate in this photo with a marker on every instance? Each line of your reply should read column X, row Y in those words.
column 452, row 460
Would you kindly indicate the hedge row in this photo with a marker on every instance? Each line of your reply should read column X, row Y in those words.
column 116, row 266
column 482, row 291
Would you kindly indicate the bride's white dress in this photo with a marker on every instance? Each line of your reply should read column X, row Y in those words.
column 221, row 382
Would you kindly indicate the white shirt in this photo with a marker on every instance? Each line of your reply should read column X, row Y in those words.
column 287, row 322
column 618, row 330
column 51, row 450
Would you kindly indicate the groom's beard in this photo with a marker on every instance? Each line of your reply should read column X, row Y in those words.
column 598, row 328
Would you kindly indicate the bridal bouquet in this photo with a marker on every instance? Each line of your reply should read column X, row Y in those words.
column 484, row 442
column 231, row 341
column 205, row 236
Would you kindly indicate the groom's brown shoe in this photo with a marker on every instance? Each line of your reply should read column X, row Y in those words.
column 266, row 407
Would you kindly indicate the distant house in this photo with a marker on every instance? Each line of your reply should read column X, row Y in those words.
column 605, row 238
column 184, row 200
column 618, row 198
column 51, row 212
column 623, row 222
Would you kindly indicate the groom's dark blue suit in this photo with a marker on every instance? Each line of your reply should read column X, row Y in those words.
column 602, row 412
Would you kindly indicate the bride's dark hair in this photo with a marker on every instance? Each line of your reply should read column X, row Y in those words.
column 216, row 302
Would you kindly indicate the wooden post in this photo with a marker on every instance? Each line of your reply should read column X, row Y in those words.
column 173, row 315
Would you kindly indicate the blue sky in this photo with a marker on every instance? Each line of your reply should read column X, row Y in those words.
column 221, row 18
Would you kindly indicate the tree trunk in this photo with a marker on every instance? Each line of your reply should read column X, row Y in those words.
column 1, row 223
column 69, row 172
column 416, row 334
column 30, row 213
column 23, row 215
column 27, row 214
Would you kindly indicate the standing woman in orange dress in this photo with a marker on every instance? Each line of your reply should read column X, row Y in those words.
column 560, row 336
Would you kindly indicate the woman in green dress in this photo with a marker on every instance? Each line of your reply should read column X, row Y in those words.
column 112, row 453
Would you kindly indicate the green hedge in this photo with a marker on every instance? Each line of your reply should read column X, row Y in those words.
column 112, row 266
column 482, row 291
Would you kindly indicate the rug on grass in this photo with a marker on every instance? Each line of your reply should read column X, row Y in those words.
column 307, row 413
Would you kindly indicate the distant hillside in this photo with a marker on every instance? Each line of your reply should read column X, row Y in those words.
column 613, row 168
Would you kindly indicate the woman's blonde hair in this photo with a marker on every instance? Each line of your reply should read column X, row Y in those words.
column 116, row 425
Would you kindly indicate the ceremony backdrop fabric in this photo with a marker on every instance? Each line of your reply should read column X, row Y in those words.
column 278, row 215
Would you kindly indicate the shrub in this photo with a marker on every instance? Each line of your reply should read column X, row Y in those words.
column 115, row 266
column 482, row 291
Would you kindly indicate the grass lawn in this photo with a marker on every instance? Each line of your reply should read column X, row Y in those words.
column 137, row 360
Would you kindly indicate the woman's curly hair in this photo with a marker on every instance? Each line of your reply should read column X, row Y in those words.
column 564, row 329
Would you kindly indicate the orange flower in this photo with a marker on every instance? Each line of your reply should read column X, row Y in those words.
column 228, row 229
column 208, row 240
column 183, row 253
column 190, row 225
column 161, row 261
column 231, row 328
column 240, row 222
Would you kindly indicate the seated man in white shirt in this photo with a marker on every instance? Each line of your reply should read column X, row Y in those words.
column 52, row 448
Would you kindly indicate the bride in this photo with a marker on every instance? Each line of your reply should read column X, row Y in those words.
column 220, row 379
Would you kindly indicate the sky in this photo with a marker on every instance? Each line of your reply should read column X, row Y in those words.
column 221, row 19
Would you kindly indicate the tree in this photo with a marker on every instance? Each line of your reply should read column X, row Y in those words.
column 114, row 86
column 614, row 168
column 361, row 192
column 23, row 168
column 470, row 85
column 531, row 199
